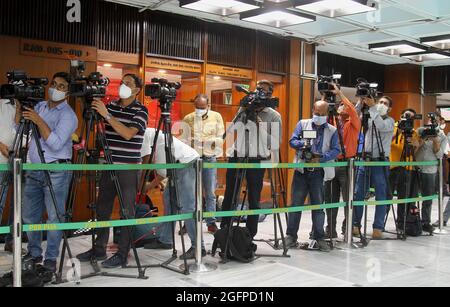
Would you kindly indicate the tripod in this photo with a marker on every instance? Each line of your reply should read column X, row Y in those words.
column 91, row 124
column 25, row 128
column 165, row 125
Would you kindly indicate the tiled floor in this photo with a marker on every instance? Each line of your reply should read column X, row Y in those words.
column 423, row 261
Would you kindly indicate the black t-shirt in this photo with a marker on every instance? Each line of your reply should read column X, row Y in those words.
column 133, row 116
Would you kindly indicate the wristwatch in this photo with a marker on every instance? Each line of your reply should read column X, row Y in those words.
column 108, row 117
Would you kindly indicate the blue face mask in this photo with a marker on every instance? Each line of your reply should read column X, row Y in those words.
column 320, row 120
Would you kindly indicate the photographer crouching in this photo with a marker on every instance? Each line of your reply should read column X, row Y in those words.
column 56, row 122
column 259, row 134
column 315, row 141
column 430, row 146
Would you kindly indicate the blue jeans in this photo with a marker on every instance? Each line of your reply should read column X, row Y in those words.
column 186, row 194
column 5, row 194
column 209, row 189
column 37, row 200
column 303, row 184
column 377, row 177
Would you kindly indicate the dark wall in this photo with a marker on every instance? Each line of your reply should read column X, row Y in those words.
column 437, row 79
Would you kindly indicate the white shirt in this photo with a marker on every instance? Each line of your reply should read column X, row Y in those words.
column 7, row 125
column 183, row 153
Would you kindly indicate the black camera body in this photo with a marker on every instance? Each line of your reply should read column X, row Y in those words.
column 366, row 89
column 90, row 87
column 406, row 124
column 306, row 153
column 29, row 91
column 257, row 100
column 432, row 130
column 325, row 86
column 164, row 91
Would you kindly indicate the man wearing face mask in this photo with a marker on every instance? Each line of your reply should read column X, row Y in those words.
column 377, row 147
column 125, row 124
column 429, row 148
column 310, row 181
column 207, row 129
column 350, row 126
column 56, row 122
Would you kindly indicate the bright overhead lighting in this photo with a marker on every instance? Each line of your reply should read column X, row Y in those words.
column 162, row 71
column 278, row 18
column 107, row 65
column 397, row 48
column 217, row 78
column 334, row 8
column 220, row 7
column 423, row 56
column 441, row 41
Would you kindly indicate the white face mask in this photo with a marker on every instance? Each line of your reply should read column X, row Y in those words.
column 201, row 112
column 319, row 120
column 55, row 95
column 125, row 92
column 382, row 109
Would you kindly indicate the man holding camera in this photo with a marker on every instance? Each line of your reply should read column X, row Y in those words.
column 259, row 129
column 429, row 147
column 56, row 122
column 379, row 130
column 207, row 129
column 349, row 125
column 7, row 134
column 126, row 121
column 310, row 181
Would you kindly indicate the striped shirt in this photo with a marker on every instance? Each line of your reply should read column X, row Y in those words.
column 133, row 116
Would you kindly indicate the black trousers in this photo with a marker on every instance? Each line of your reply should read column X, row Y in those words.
column 128, row 181
column 255, row 179
column 333, row 190
column 398, row 181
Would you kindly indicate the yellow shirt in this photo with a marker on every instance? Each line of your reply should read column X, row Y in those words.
column 206, row 135
column 397, row 146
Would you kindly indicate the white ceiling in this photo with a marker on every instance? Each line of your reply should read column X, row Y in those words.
column 349, row 36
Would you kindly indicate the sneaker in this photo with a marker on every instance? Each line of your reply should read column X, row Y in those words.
column 36, row 260
column 377, row 234
column 158, row 245
column 116, row 261
column 190, row 254
column 212, row 228
column 437, row 224
column 323, row 246
column 356, row 232
column 290, row 242
column 87, row 256
column 50, row 265
column 428, row 228
column 333, row 234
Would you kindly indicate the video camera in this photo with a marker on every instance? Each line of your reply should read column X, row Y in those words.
column 90, row 87
column 29, row 91
column 432, row 130
column 257, row 99
column 306, row 153
column 366, row 89
column 164, row 91
column 325, row 86
column 406, row 123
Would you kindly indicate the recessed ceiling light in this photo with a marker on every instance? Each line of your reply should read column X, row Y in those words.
column 107, row 65
column 424, row 56
column 217, row 78
column 334, row 8
column 397, row 48
column 220, row 7
column 162, row 71
column 276, row 17
column 441, row 41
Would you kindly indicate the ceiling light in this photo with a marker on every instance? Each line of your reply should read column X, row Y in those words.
column 220, row 7
column 441, row 41
column 427, row 56
column 276, row 17
column 107, row 65
column 162, row 71
column 216, row 78
column 397, row 48
column 334, row 8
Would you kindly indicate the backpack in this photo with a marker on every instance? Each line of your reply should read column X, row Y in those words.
column 240, row 248
column 413, row 223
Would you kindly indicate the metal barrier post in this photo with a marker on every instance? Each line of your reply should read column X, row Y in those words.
column 441, row 229
column 351, row 191
column 199, row 266
column 17, row 227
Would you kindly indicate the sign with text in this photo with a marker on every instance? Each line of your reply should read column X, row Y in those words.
column 160, row 63
column 57, row 50
column 229, row 72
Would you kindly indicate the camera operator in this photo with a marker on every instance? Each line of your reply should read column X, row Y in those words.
column 325, row 148
column 404, row 135
column 378, row 139
column 7, row 134
column 430, row 147
column 56, row 122
column 349, row 125
column 257, row 148
column 126, row 121
column 207, row 129
column 186, row 188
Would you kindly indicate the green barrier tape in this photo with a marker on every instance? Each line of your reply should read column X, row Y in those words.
column 102, row 167
column 395, row 201
column 97, row 225
column 4, row 167
column 272, row 211
column 394, row 164
column 271, row 165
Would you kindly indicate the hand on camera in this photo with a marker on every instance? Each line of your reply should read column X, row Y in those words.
column 100, row 107
column 31, row 115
